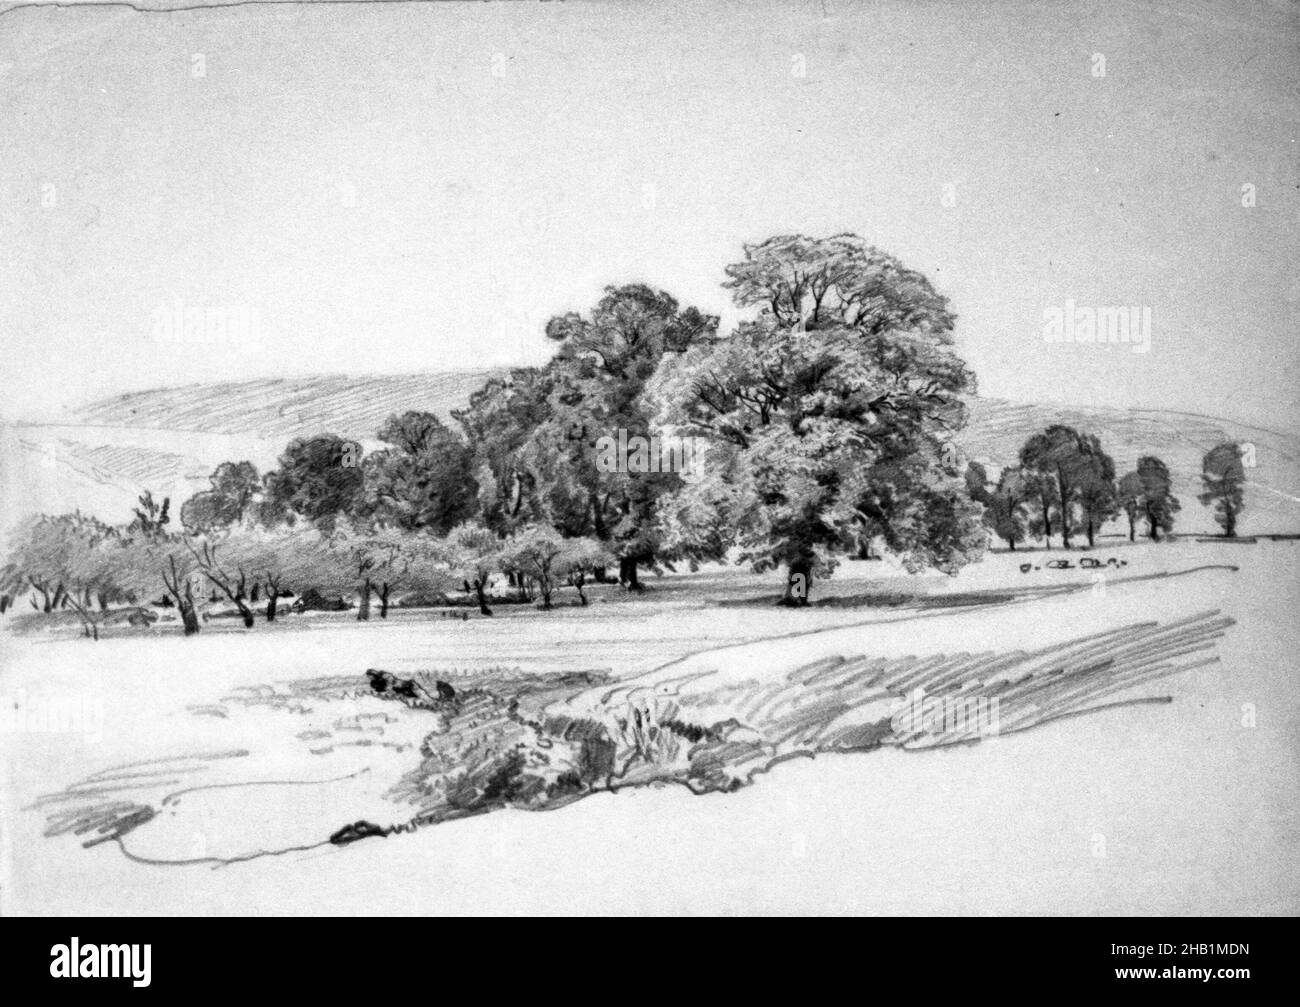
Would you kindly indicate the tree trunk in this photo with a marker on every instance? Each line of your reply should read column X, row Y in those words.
column 481, row 594
column 1132, row 528
column 798, row 584
column 189, row 617
column 1091, row 532
column 383, row 602
column 245, row 613
column 272, row 596
column 1229, row 522
column 1047, row 525
column 627, row 573
column 1064, row 492
column 363, row 609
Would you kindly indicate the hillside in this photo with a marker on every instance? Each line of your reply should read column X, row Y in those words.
column 168, row 440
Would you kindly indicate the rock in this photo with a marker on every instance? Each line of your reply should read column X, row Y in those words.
column 445, row 691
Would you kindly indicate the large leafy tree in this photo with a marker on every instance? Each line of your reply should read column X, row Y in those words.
column 500, row 424
column 601, row 369
column 537, row 434
column 1223, row 478
column 234, row 486
column 318, row 478
column 835, row 403
column 424, row 479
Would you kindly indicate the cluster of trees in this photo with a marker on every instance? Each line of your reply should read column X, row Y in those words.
column 827, row 419
column 1065, row 484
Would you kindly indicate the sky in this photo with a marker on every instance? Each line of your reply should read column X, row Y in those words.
column 394, row 187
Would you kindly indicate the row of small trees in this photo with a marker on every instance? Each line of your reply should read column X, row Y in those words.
column 1065, row 484
column 78, row 563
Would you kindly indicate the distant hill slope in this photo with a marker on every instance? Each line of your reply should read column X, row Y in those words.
column 284, row 408
column 168, row 440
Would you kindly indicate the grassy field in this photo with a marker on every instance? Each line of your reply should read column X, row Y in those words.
column 249, row 748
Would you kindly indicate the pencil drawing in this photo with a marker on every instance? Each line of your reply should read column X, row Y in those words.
column 608, row 433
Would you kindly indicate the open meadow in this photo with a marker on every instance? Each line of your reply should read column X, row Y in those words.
column 207, row 774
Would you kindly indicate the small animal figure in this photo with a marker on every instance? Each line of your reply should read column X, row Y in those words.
column 356, row 830
column 408, row 690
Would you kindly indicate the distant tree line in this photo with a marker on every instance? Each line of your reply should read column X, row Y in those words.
column 1065, row 485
